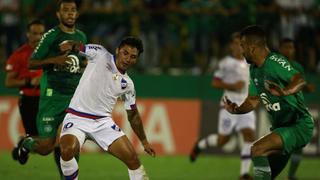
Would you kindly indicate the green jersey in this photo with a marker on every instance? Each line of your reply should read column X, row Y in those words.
column 284, row 110
column 59, row 80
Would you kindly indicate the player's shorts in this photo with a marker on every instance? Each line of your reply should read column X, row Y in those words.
column 103, row 131
column 52, row 111
column 229, row 122
column 296, row 136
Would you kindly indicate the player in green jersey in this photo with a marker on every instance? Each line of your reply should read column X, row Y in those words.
column 61, row 73
column 278, row 85
column 287, row 48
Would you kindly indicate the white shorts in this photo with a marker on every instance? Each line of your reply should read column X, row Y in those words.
column 228, row 122
column 103, row 131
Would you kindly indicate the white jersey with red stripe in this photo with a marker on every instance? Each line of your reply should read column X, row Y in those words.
column 101, row 85
column 232, row 70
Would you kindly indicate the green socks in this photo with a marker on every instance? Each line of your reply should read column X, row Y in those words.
column 262, row 170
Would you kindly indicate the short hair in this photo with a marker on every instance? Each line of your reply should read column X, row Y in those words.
column 66, row 1
column 36, row 21
column 286, row 40
column 133, row 42
column 255, row 34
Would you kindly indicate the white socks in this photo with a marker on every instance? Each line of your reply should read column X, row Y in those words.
column 209, row 141
column 245, row 158
column 69, row 168
column 138, row 174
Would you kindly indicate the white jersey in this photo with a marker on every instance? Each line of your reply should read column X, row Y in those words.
column 232, row 70
column 101, row 85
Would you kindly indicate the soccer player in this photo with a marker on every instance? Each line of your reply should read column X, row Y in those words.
column 104, row 81
column 287, row 48
column 61, row 74
column 19, row 76
column 233, row 77
column 278, row 85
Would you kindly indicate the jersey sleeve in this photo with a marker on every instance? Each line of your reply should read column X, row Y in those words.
column 219, row 73
column 91, row 51
column 130, row 99
column 43, row 48
column 252, row 89
column 12, row 65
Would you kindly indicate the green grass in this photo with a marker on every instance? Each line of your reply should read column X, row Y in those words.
column 103, row 166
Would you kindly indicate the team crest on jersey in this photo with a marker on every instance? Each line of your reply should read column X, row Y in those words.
column 124, row 83
column 73, row 65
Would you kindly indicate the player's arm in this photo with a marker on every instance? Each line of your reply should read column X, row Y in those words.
column 12, row 81
column 249, row 104
column 219, row 84
column 58, row 60
column 295, row 85
column 137, row 126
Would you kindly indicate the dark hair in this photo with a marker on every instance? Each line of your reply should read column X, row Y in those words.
column 66, row 1
column 133, row 42
column 36, row 21
column 255, row 34
column 234, row 36
column 286, row 40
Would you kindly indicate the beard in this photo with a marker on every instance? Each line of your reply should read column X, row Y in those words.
column 67, row 25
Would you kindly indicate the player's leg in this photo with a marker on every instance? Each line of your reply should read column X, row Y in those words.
column 71, row 140
column 248, row 135
column 225, row 125
column 123, row 150
column 28, row 107
column 260, row 150
column 294, row 164
column 246, row 126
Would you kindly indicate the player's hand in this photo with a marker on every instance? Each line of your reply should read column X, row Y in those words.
column 62, row 60
column 35, row 81
column 275, row 89
column 66, row 46
column 229, row 106
column 148, row 149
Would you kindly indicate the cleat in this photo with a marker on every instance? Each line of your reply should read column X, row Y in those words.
column 246, row 177
column 194, row 153
column 19, row 153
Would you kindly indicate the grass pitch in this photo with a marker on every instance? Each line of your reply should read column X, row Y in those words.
column 97, row 166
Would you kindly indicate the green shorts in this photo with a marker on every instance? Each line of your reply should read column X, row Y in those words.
column 51, row 114
column 296, row 136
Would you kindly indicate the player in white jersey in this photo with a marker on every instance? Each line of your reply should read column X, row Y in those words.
column 233, row 77
column 89, row 114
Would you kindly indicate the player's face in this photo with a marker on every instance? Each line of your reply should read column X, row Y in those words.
column 68, row 14
column 246, row 50
column 235, row 46
column 35, row 33
column 126, row 56
column 288, row 50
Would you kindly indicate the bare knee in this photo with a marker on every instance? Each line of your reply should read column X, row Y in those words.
column 257, row 150
column 222, row 140
column 133, row 161
column 45, row 146
column 69, row 147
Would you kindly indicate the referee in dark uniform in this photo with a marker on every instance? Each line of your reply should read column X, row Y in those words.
column 19, row 76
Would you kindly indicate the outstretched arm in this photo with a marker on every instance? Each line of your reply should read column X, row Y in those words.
column 249, row 104
column 137, row 126
column 296, row 84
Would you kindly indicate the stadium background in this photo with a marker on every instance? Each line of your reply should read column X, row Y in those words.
column 184, row 41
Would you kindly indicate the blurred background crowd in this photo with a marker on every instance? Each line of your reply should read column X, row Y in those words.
column 180, row 36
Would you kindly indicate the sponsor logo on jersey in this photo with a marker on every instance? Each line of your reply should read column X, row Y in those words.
column 269, row 106
column 72, row 67
column 115, row 127
column 94, row 47
column 123, row 83
column 282, row 61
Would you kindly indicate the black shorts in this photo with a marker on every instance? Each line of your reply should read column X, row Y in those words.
column 28, row 107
